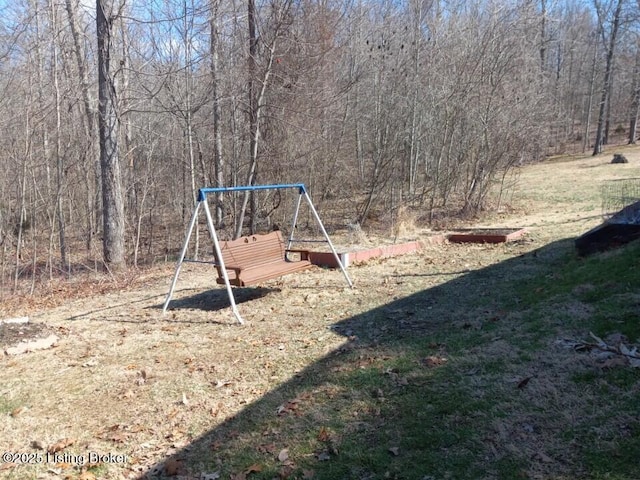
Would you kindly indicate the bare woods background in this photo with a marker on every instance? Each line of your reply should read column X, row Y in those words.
column 114, row 113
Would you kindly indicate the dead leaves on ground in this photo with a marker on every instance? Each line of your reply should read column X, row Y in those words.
column 433, row 361
column 293, row 406
column 610, row 353
column 61, row 445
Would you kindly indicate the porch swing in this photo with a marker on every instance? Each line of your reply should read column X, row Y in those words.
column 253, row 259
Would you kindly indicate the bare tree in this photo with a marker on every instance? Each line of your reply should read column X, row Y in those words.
column 112, row 196
column 635, row 96
column 608, row 74
column 88, row 119
column 218, row 158
column 258, row 82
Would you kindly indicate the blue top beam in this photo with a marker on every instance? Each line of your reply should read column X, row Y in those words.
column 202, row 193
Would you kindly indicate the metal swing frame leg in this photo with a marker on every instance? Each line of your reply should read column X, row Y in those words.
column 216, row 245
column 326, row 236
column 194, row 217
column 304, row 193
column 225, row 275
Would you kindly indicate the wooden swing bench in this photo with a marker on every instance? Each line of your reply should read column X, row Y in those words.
column 254, row 259
column 257, row 258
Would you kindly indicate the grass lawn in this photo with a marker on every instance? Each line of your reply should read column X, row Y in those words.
column 459, row 362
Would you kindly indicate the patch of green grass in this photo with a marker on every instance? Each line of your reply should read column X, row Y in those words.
column 417, row 428
column 609, row 283
column 7, row 406
column 380, row 410
column 615, row 456
column 617, row 314
column 591, row 279
column 508, row 468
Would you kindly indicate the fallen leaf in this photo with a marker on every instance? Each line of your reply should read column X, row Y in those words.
column 118, row 437
column 268, row 448
column 628, row 352
column 61, row 445
column 172, row 467
column 128, row 394
column 543, row 457
column 285, row 472
column 255, row 468
column 631, row 354
column 523, row 383
column 176, row 433
column 210, row 476
column 172, row 413
column 434, row 361
column 324, row 435
column 308, row 474
column 38, row 445
column 614, row 362
column 17, row 411
column 283, row 456
column 395, row 451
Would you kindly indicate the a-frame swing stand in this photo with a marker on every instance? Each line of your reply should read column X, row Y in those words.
column 219, row 260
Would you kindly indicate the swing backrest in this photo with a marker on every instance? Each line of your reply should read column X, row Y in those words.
column 256, row 258
column 253, row 250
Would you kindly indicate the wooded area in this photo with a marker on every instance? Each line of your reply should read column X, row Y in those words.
column 113, row 114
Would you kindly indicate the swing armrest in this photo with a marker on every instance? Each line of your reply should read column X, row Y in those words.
column 304, row 254
column 236, row 270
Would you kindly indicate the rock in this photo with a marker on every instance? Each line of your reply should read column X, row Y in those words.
column 15, row 320
column 619, row 158
column 40, row 344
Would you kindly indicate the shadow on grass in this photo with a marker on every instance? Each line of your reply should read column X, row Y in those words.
column 400, row 398
column 213, row 300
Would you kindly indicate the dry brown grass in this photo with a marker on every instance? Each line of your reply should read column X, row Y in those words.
column 124, row 378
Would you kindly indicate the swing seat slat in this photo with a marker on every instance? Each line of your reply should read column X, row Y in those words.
column 257, row 258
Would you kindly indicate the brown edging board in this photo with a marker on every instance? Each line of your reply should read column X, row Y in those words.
column 326, row 259
column 486, row 235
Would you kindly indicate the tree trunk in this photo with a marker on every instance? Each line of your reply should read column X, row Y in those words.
column 256, row 102
column 543, row 34
column 112, row 199
column 592, row 84
column 188, row 118
column 58, row 152
column 217, row 127
column 635, row 99
column 597, row 147
column 254, row 127
column 92, row 173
